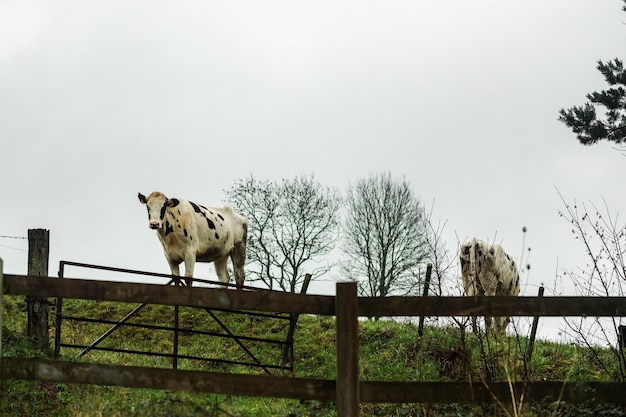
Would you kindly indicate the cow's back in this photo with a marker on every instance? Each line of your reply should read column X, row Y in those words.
column 487, row 270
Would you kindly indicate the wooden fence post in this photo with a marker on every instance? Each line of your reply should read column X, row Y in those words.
column 533, row 331
column 346, row 306
column 429, row 271
column 287, row 353
column 37, row 308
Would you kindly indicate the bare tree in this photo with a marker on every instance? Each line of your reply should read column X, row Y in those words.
column 604, row 241
column 291, row 224
column 437, row 254
column 384, row 235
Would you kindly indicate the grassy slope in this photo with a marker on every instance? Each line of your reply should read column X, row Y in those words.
column 388, row 351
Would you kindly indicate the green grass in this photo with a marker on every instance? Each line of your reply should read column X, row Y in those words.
column 388, row 351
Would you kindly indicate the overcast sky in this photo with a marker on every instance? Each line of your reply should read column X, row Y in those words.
column 100, row 100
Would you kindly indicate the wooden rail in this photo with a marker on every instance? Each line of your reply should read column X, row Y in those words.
column 213, row 298
column 308, row 389
column 281, row 302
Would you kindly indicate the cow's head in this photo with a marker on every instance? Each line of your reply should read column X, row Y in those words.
column 157, row 203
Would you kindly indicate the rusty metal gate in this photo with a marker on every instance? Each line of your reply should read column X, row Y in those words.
column 284, row 346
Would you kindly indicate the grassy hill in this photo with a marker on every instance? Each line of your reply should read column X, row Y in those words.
column 388, row 350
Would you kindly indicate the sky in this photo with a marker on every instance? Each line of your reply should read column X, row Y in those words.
column 101, row 100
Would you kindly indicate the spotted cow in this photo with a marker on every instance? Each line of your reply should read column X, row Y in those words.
column 488, row 270
column 193, row 233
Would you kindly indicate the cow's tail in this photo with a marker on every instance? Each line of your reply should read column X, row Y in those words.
column 473, row 274
column 239, row 253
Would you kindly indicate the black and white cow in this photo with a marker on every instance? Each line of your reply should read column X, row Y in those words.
column 193, row 233
column 488, row 270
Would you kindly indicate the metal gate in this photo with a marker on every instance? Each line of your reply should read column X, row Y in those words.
column 284, row 347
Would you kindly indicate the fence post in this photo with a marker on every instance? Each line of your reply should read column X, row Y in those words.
column 429, row 271
column 58, row 323
column 346, row 309
column 533, row 331
column 38, row 253
column 287, row 353
column 176, row 330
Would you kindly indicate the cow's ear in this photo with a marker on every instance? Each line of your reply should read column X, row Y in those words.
column 142, row 198
column 172, row 202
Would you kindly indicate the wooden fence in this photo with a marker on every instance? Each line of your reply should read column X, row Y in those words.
column 347, row 391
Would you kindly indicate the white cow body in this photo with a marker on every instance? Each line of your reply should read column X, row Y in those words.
column 488, row 270
column 193, row 233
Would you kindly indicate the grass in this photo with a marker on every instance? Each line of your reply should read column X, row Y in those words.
column 388, row 351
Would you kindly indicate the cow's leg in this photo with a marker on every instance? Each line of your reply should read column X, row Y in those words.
column 478, row 291
column 474, row 324
column 497, row 325
column 220, row 269
column 487, row 322
column 174, row 269
column 238, row 257
column 489, row 293
column 190, row 263
column 500, row 324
